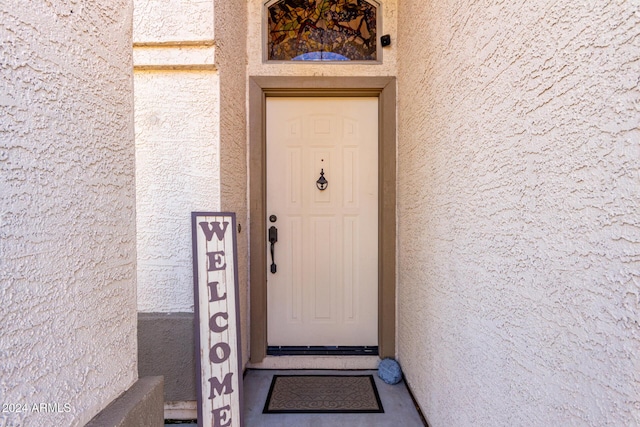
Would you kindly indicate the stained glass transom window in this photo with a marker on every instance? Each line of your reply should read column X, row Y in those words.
column 322, row 30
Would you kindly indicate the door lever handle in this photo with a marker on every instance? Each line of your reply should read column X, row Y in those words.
column 273, row 238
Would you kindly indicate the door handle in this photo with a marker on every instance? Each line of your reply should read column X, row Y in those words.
column 273, row 238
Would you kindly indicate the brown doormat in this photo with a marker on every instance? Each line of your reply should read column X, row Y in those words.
column 322, row 394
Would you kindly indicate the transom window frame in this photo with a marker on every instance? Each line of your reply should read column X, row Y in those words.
column 265, row 40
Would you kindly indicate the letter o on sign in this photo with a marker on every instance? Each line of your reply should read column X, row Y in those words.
column 219, row 357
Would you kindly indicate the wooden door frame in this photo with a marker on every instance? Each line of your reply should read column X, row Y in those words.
column 384, row 88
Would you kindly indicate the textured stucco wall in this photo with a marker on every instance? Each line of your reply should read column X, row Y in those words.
column 67, row 210
column 172, row 21
column 177, row 172
column 231, row 40
column 190, row 139
column 519, row 216
column 177, row 144
column 256, row 67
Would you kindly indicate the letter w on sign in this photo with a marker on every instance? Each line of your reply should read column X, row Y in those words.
column 217, row 311
column 209, row 228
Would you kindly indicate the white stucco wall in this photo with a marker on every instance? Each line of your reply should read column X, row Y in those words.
column 172, row 21
column 256, row 67
column 177, row 144
column 519, row 216
column 177, row 167
column 190, row 140
column 67, row 210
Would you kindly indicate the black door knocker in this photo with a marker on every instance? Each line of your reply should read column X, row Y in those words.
column 322, row 182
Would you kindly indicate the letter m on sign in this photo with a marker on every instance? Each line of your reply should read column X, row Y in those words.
column 216, row 306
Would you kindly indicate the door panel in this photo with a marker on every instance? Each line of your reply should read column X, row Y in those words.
column 325, row 289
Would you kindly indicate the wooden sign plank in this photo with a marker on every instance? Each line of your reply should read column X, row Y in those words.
column 217, row 319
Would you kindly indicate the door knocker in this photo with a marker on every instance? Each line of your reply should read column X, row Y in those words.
column 322, row 182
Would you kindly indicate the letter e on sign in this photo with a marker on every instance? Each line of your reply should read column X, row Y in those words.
column 217, row 312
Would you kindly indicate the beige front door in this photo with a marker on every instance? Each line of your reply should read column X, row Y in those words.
column 322, row 284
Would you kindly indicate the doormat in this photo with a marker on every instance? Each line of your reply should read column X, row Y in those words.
column 321, row 394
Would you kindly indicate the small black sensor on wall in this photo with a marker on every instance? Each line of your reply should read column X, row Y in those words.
column 385, row 40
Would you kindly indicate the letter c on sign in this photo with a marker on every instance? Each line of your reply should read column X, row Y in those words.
column 215, row 326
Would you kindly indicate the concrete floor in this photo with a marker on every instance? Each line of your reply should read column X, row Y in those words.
column 399, row 409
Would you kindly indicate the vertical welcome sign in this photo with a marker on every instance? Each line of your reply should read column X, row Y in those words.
column 217, row 319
